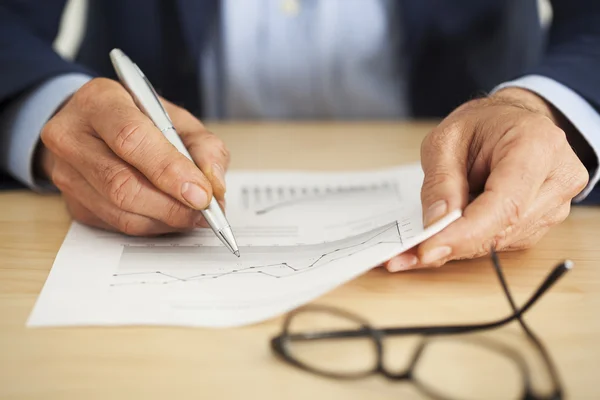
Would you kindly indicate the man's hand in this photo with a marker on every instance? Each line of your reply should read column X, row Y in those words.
column 117, row 171
column 506, row 154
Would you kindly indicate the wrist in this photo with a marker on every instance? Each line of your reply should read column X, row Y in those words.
column 42, row 158
column 529, row 100
column 535, row 103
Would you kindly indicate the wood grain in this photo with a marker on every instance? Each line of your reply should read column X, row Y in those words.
column 140, row 362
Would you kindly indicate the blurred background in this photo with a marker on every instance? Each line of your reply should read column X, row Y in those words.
column 73, row 22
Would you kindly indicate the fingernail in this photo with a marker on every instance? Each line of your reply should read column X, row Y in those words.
column 219, row 174
column 435, row 211
column 435, row 254
column 402, row 263
column 195, row 195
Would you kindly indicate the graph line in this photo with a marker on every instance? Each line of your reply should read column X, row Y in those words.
column 321, row 260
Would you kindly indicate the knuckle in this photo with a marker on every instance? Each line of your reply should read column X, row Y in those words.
column 556, row 140
column 93, row 93
column 179, row 215
column 219, row 146
column 123, row 188
column 129, row 138
column 572, row 182
column 439, row 137
column 555, row 136
column 210, row 141
column 579, row 180
column 482, row 247
column 561, row 214
column 53, row 135
column 433, row 140
column 167, row 172
column 48, row 133
column 451, row 128
column 511, row 211
column 61, row 180
column 503, row 239
column 499, row 241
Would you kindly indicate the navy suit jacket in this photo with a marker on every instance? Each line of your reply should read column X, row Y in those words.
column 457, row 49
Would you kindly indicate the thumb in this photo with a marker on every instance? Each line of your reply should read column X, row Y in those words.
column 444, row 155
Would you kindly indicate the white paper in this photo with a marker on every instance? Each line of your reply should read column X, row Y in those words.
column 300, row 235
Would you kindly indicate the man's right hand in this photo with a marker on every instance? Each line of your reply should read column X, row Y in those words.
column 118, row 172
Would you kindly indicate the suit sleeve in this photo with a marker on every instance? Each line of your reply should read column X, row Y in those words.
column 31, row 86
column 568, row 77
column 27, row 31
column 573, row 50
column 573, row 60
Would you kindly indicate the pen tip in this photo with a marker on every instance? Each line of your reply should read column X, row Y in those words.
column 237, row 253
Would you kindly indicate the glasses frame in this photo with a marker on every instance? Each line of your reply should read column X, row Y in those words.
column 280, row 343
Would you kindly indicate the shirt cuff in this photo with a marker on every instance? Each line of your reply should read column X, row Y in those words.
column 574, row 107
column 23, row 120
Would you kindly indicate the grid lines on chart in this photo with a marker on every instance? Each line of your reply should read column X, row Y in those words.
column 266, row 199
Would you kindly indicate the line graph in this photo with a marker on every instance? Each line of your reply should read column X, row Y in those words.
column 263, row 200
column 201, row 264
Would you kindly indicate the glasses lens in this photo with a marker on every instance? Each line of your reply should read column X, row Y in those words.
column 312, row 343
column 469, row 369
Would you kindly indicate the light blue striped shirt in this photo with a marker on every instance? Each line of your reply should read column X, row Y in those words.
column 334, row 59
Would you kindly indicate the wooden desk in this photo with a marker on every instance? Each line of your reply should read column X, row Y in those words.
column 136, row 362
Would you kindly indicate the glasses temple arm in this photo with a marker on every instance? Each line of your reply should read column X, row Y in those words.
column 552, row 278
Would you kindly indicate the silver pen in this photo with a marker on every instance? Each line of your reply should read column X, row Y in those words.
column 144, row 95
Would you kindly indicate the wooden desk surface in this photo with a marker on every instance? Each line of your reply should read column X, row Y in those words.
column 138, row 362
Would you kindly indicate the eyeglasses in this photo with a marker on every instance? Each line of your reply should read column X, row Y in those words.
column 337, row 344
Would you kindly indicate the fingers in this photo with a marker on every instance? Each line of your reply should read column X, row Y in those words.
column 100, row 140
column 520, row 165
column 134, row 138
column 551, row 207
column 403, row 262
column 85, row 216
column 81, row 197
column 125, row 187
column 444, row 155
column 208, row 151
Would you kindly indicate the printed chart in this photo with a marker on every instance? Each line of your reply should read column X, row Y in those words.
column 176, row 264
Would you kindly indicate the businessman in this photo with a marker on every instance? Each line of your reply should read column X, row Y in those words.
column 512, row 160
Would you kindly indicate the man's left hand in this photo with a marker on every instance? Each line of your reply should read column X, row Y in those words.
column 507, row 164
